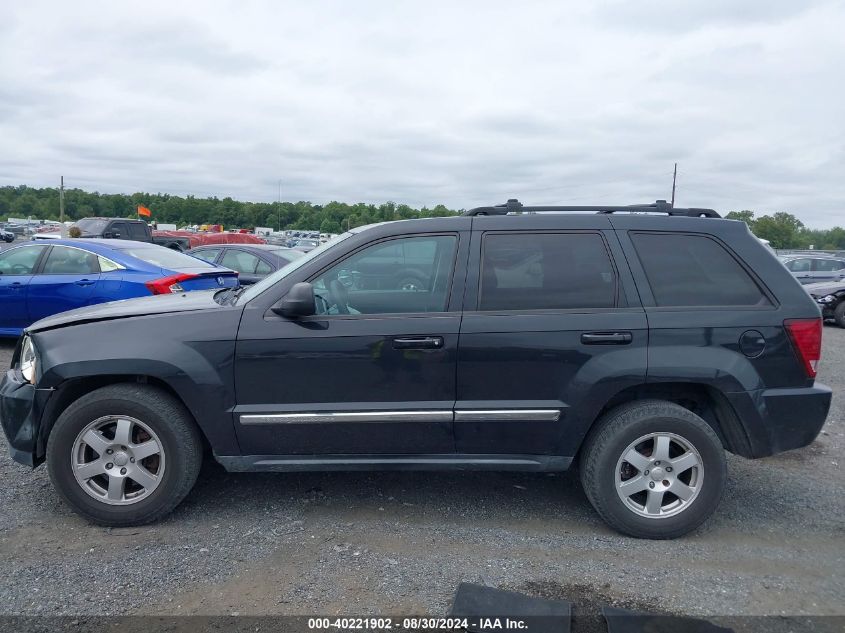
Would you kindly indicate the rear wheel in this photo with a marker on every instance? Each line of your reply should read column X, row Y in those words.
column 124, row 454
column 653, row 469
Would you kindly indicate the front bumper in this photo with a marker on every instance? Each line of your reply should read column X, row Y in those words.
column 21, row 406
column 777, row 420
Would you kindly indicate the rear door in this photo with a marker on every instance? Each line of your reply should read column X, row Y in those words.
column 551, row 326
column 138, row 232
column 17, row 266
column 64, row 280
column 828, row 269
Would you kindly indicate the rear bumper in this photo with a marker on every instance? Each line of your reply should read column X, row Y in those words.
column 777, row 420
column 21, row 405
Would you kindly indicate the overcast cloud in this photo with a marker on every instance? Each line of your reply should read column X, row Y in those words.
column 460, row 103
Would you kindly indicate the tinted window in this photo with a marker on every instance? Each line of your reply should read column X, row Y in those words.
column 137, row 231
column 798, row 265
column 19, row 261
column 70, row 261
column 828, row 265
column 166, row 257
column 543, row 271
column 372, row 281
column 119, row 230
column 239, row 260
column 694, row 270
column 91, row 226
column 208, row 254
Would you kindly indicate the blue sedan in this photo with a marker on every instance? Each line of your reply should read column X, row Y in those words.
column 40, row 279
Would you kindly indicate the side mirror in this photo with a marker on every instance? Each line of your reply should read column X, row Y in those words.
column 298, row 302
column 107, row 235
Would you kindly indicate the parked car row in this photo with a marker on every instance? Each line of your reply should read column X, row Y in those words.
column 44, row 278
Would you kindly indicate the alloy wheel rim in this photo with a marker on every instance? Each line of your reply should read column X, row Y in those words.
column 659, row 475
column 118, row 460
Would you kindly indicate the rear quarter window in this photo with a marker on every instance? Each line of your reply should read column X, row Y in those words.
column 695, row 270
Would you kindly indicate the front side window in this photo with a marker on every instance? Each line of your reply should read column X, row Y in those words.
column 405, row 275
column 546, row 271
column 694, row 270
column 798, row 265
column 19, row 261
column 70, row 261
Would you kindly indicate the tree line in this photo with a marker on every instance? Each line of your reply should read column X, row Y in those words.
column 782, row 229
column 334, row 217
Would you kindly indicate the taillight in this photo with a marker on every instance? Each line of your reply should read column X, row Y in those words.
column 166, row 285
column 806, row 335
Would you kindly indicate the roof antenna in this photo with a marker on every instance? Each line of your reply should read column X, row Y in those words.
column 674, row 178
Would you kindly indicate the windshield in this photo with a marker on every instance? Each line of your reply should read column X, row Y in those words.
column 91, row 226
column 166, row 257
column 256, row 289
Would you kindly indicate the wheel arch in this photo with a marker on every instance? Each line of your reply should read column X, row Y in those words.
column 704, row 400
column 74, row 388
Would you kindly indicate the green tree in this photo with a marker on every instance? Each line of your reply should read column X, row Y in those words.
column 781, row 229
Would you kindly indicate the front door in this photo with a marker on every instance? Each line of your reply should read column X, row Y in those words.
column 547, row 329
column 373, row 372
column 63, row 282
column 16, row 268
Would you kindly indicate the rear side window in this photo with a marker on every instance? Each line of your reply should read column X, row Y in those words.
column 137, row 231
column 70, row 261
column 546, row 271
column 828, row 265
column 166, row 258
column 694, row 270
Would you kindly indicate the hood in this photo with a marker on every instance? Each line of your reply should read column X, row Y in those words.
column 158, row 304
column 823, row 288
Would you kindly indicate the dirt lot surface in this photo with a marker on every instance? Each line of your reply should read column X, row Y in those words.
column 399, row 543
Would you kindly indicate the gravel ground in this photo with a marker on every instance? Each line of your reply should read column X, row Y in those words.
column 399, row 543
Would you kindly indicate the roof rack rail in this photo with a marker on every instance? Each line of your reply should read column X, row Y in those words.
column 660, row 206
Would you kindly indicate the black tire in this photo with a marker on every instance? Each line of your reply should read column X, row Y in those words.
column 154, row 407
column 612, row 435
column 839, row 314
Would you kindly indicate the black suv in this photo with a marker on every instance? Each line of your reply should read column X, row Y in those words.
column 640, row 341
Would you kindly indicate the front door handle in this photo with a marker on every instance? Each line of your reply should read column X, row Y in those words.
column 606, row 338
column 418, row 342
column 84, row 282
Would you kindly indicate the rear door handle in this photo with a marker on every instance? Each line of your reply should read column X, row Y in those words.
column 606, row 338
column 418, row 342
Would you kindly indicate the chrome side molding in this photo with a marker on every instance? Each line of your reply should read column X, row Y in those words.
column 480, row 415
column 348, row 416
column 473, row 415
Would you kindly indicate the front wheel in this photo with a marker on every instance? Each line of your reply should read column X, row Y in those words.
column 653, row 469
column 124, row 454
column 839, row 314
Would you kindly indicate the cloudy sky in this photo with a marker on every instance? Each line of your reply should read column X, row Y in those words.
column 427, row 102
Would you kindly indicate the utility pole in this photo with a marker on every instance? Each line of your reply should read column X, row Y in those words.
column 62, row 200
column 280, row 205
column 674, row 178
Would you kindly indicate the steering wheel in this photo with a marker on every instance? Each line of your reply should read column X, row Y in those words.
column 19, row 269
column 339, row 296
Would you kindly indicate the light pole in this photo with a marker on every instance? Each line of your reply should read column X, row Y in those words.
column 280, row 205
